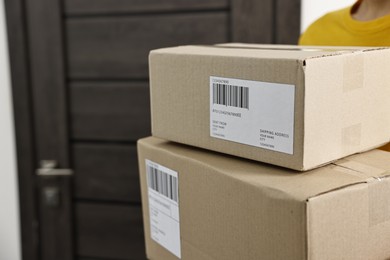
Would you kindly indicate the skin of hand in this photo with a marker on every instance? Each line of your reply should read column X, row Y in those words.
column 369, row 10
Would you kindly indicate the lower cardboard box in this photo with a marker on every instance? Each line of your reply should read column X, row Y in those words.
column 199, row 204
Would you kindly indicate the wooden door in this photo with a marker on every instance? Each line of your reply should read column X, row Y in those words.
column 80, row 84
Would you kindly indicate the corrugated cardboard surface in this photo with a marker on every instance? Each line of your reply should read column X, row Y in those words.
column 351, row 223
column 233, row 208
column 352, row 96
column 340, row 97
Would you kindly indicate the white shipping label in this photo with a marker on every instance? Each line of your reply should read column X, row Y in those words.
column 255, row 113
column 163, row 191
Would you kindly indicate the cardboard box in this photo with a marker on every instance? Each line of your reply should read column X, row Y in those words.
column 224, row 207
column 285, row 105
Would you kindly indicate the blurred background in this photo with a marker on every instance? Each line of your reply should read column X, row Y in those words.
column 79, row 100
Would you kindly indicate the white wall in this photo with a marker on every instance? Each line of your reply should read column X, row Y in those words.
column 314, row 9
column 9, row 208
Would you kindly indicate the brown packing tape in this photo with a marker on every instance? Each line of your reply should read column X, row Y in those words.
column 349, row 171
column 379, row 200
column 353, row 72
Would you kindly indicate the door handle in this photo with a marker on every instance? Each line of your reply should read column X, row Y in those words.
column 51, row 194
column 55, row 210
column 49, row 168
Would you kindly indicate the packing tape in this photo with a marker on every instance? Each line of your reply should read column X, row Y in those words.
column 353, row 72
column 379, row 200
column 365, row 170
column 281, row 48
column 378, row 189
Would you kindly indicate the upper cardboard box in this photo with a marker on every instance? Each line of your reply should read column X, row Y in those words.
column 292, row 106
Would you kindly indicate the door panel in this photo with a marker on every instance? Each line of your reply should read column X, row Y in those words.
column 82, row 99
column 48, row 80
column 287, row 22
column 116, row 111
column 252, row 21
column 106, row 172
column 109, row 231
column 118, row 47
column 56, row 216
column 77, row 7
column 50, row 128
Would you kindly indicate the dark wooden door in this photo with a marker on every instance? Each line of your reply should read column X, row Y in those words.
column 80, row 84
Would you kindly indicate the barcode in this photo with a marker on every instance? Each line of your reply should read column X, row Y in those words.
column 230, row 95
column 162, row 182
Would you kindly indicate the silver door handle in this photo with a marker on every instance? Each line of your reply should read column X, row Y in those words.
column 48, row 168
column 51, row 191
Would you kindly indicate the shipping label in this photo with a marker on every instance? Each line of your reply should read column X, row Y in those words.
column 254, row 113
column 163, row 192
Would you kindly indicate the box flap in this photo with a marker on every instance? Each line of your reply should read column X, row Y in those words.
column 370, row 166
column 310, row 52
column 350, row 223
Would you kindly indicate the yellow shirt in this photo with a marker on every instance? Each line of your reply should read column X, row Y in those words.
column 340, row 29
